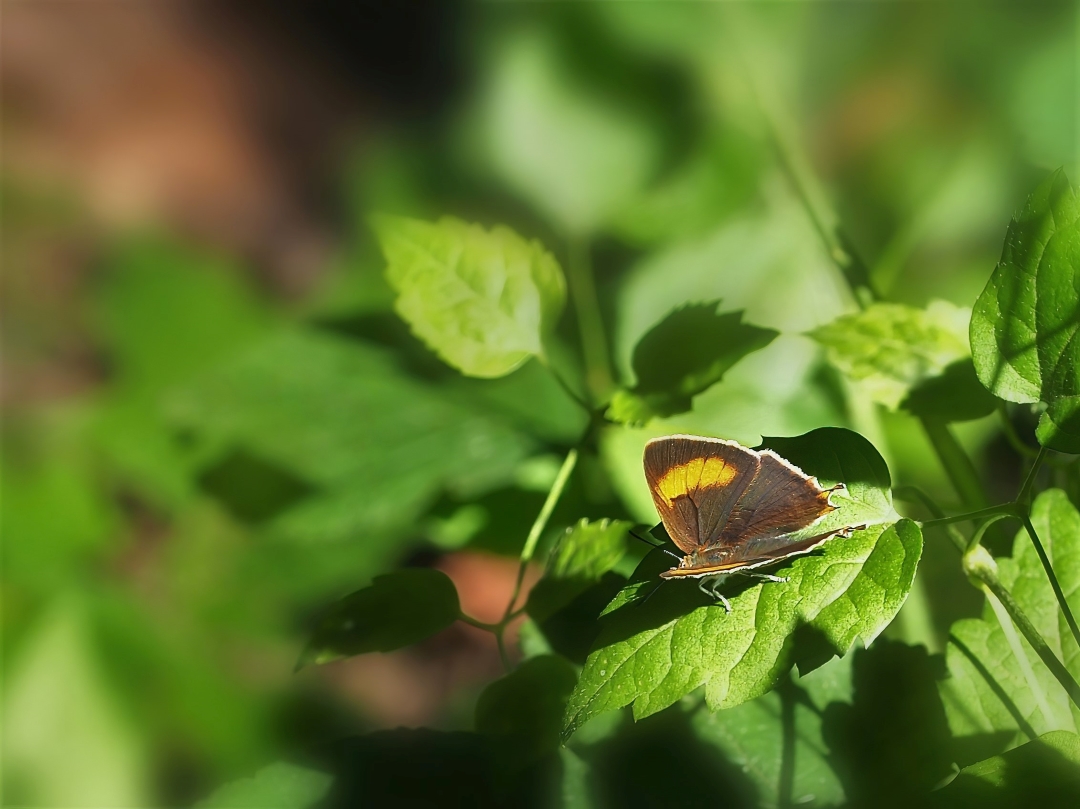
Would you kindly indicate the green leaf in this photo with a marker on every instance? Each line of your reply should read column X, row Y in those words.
column 683, row 355
column 483, row 300
column 279, row 786
column 524, row 710
column 398, row 609
column 1025, row 324
column 167, row 312
column 1044, row 772
column 954, row 395
column 653, row 654
column 582, row 556
column 991, row 693
column 720, row 177
column 889, row 348
column 752, row 736
column 61, row 716
column 341, row 416
column 575, row 155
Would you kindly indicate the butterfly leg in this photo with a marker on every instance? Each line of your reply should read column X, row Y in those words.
column 708, row 587
column 753, row 574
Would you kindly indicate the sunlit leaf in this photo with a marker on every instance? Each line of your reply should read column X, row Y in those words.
column 1025, row 327
column 582, row 556
column 990, row 691
column 279, row 786
column 683, row 355
column 483, row 300
column 651, row 654
column 1044, row 772
column 576, row 155
column 398, row 609
column 888, row 348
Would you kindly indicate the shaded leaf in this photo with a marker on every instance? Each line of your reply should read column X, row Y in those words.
column 483, row 300
column 398, row 609
column 279, row 786
column 1044, row 772
column 582, row 556
column 890, row 741
column 888, row 348
column 651, row 655
column 339, row 416
column 993, row 695
column 1025, row 327
column 523, row 711
column 575, row 155
column 954, row 395
column 778, row 736
column 683, row 355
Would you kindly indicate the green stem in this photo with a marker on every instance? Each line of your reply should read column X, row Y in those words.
column 569, row 391
column 954, row 533
column 1011, row 435
column 1049, row 568
column 538, row 526
column 987, row 575
column 468, row 619
column 590, row 323
column 1024, row 497
column 957, row 464
column 1009, row 509
column 1008, row 628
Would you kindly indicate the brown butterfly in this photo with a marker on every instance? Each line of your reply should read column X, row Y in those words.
column 731, row 509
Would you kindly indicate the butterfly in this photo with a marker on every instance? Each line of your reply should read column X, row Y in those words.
column 731, row 509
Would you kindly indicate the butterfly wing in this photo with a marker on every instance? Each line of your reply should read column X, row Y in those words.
column 696, row 483
column 778, row 502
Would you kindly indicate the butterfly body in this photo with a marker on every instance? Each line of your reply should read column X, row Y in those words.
column 731, row 509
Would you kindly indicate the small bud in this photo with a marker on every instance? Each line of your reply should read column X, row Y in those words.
column 979, row 564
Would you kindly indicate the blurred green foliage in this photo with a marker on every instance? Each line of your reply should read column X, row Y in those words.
column 173, row 530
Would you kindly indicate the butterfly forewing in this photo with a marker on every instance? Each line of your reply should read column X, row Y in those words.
column 695, row 484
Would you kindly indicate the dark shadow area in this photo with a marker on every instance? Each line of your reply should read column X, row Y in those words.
column 425, row 768
column 573, row 630
column 252, row 489
column 1034, row 774
column 660, row 762
column 891, row 746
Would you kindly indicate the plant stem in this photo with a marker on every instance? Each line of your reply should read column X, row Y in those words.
column 1024, row 497
column 954, row 533
column 538, row 526
column 1009, row 630
column 1049, row 568
column 1011, row 435
column 590, row 323
column 569, row 391
column 1005, row 508
column 468, row 619
column 987, row 575
column 957, row 464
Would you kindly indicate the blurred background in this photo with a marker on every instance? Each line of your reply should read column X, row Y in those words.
column 207, row 396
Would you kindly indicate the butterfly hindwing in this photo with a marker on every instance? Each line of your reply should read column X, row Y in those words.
column 779, row 501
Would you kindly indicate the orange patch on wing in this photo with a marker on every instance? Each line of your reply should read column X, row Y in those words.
column 700, row 473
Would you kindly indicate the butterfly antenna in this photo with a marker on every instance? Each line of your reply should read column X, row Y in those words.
column 655, row 545
column 652, row 592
